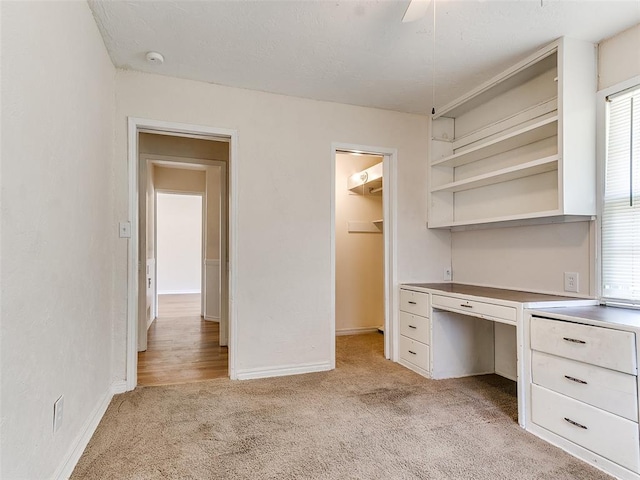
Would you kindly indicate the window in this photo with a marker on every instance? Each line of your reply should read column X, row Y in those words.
column 620, row 220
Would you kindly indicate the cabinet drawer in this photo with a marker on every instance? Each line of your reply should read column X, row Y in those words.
column 472, row 307
column 414, row 327
column 608, row 435
column 613, row 391
column 607, row 348
column 414, row 352
column 414, row 302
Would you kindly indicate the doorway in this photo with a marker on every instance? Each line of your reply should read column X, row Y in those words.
column 179, row 252
column 140, row 199
column 363, row 273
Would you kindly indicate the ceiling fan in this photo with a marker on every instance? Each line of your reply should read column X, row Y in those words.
column 416, row 10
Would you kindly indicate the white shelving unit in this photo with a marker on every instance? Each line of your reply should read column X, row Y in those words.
column 519, row 147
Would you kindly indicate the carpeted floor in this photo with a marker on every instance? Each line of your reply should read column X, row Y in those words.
column 368, row 419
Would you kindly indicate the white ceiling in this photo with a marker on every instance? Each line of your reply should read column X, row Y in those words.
column 355, row 52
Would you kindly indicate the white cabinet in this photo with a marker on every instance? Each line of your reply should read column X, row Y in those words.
column 415, row 331
column 583, row 387
column 521, row 146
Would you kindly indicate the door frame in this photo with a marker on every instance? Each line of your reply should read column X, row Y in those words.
column 202, row 163
column 135, row 126
column 389, row 202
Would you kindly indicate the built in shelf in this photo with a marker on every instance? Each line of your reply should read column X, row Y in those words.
column 517, row 75
column 532, row 133
column 534, row 167
column 542, row 217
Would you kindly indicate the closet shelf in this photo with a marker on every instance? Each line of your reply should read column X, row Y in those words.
column 532, row 133
column 534, row 167
column 367, row 181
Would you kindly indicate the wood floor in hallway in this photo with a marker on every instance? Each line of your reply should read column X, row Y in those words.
column 181, row 346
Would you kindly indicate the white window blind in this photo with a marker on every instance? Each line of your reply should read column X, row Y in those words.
column 621, row 205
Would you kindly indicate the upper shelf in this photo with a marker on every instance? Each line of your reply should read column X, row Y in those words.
column 366, row 181
column 531, row 133
column 534, row 167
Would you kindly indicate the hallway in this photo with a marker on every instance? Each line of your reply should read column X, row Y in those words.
column 182, row 347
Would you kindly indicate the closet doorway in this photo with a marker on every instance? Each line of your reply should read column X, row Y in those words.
column 363, row 270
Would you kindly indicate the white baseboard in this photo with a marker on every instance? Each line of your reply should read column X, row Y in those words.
column 64, row 471
column 212, row 318
column 355, row 331
column 253, row 373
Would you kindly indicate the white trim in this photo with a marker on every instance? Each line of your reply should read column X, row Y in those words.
column 253, row 373
column 212, row 262
column 601, row 153
column 211, row 318
column 134, row 126
column 389, row 202
column 65, row 469
column 356, row 331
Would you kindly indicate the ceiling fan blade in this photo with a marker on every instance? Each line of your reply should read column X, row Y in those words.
column 416, row 10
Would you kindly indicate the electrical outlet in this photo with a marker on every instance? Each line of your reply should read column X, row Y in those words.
column 571, row 282
column 58, row 412
column 446, row 275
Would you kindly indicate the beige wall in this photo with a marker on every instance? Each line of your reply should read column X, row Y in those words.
column 183, row 147
column 180, row 179
column 359, row 256
column 619, row 58
column 536, row 257
column 283, row 292
column 60, row 235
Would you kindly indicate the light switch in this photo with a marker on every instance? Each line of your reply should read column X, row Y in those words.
column 125, row 229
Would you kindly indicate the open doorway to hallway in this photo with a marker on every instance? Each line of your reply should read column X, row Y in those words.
column 182, row 329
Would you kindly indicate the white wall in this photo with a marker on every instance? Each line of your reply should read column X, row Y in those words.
column 284, row 194
column 59, row 234
column 359, row 256
column 536, row 257
column 179, row 236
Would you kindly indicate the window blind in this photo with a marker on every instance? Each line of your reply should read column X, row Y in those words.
column 621, row 204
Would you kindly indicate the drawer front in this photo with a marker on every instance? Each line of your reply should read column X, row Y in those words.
column 607, row 348
column 414, row 302
column 472, row 307
column 414, row 327
column 608, row 435
column 612, row 391
column 414, row 352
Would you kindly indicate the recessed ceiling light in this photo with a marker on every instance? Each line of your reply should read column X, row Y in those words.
column 155, row 57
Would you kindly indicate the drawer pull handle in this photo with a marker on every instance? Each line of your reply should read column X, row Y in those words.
column 575, row 424
column 411, row 326
column 411, row 303
column 573, row 340
column 574, row 379
column 466, row 306
column 412, row 353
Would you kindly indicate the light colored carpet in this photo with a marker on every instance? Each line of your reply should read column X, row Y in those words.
column 368, row 419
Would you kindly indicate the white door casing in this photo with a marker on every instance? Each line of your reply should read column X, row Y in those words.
column 136, row 275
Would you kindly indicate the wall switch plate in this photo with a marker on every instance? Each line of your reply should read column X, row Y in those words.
column 446, row 274
column 571, row 282
column 124, row 229
column 58, row 413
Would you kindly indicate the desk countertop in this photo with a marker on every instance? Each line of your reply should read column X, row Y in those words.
column 597, row 314
column 498, row 293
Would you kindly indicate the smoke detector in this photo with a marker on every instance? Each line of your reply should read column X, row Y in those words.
column 155, row 58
